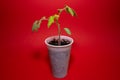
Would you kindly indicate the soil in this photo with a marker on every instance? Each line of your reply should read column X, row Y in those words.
column 63, row 42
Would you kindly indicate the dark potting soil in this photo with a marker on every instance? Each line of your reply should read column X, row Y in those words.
column 62, row 42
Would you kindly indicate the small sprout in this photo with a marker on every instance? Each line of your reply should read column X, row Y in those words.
column 55, row 19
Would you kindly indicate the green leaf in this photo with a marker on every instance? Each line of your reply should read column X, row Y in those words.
column 36, row 25
column 67, row 30
column 50, row 21
column 70, row 11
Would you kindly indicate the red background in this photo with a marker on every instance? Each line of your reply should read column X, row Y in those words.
column 96, row 31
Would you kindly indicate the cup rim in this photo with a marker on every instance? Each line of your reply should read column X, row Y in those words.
column 62, row 36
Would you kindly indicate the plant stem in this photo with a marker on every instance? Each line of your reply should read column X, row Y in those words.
column 59, row 32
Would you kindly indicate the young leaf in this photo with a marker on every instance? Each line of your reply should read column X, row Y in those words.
column 67, row 31
column 70, row 11
column 36, row 25
column 50, row 21
column 56, row 16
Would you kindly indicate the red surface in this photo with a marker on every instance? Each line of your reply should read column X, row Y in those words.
column 96, row 32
